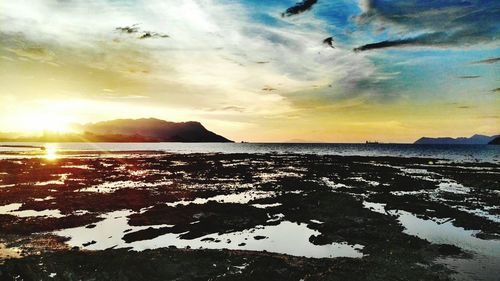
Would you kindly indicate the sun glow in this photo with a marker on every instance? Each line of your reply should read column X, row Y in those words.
column 43, row 123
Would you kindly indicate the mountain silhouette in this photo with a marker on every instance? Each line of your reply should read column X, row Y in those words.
column 156, row 129
column 475, row 139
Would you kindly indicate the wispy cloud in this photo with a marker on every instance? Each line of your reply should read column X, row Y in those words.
column 142, row 34
column 487, row 61
column 209, row 60
column 388, row 44
column 468, row 76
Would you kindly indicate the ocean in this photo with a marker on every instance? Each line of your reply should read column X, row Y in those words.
column 455, row 153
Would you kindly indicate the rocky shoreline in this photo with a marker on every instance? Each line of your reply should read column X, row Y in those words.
column 158, row 216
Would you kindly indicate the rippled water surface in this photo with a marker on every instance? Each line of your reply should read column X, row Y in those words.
column 482, row 153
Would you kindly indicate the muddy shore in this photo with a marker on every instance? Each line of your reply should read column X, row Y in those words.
column 157, row 216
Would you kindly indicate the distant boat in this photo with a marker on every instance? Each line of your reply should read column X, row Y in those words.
column 372, row 142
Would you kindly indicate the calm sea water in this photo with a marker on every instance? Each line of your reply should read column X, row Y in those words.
column 461, row 153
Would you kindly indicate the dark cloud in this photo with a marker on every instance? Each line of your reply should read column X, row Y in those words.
column 149, row 34
column 497, row 90
column 300, row 7
column 128, row 29
column 488, row 61
column 268, row 89
column 421, row 40
column 387, row 44
column 468, row 77
column 134, row 29
column 329, row 41
column 435, row 23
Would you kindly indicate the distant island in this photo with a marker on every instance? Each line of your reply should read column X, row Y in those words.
column 475, row 139
column 129, row 130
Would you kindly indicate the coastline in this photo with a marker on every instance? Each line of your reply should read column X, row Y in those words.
column 358, row 208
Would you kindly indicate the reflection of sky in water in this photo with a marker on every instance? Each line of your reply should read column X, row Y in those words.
column 112, row 186
column 241, row 198
column 13, row 209
column 440, row 233
column 480, row 268
column 286, row 238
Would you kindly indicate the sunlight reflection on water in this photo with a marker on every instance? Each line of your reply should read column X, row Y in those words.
column 50, row 151
column 285, row 237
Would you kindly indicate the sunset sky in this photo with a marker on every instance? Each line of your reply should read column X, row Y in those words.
column 249, row 70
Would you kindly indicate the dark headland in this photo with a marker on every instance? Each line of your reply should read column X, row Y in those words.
column 475, row 139
column 495, row 141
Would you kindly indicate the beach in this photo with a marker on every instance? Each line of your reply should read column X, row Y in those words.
column 155, row 215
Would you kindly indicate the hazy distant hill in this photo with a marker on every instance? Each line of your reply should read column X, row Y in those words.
column 495, row 141
column 157, row 129
column 475, row 139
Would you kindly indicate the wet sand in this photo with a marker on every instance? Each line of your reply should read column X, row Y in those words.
column 157, row 216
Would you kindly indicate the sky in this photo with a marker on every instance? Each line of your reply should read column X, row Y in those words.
column 392, row 70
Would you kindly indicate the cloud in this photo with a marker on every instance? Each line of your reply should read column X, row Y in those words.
column 387, row 44
column 134, row 29
column 128, row 29
column 431, row 23
column 35, row 53
column 268, row 89
column 233, row 108
column 210, row 61
column 150, row 34
column 487, row 61
column 329, row 42
column 300, row 7
column 427, row 39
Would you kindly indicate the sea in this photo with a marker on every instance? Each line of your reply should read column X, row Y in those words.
column 455, row 153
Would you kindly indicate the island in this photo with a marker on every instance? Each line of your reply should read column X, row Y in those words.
column 475, row 139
